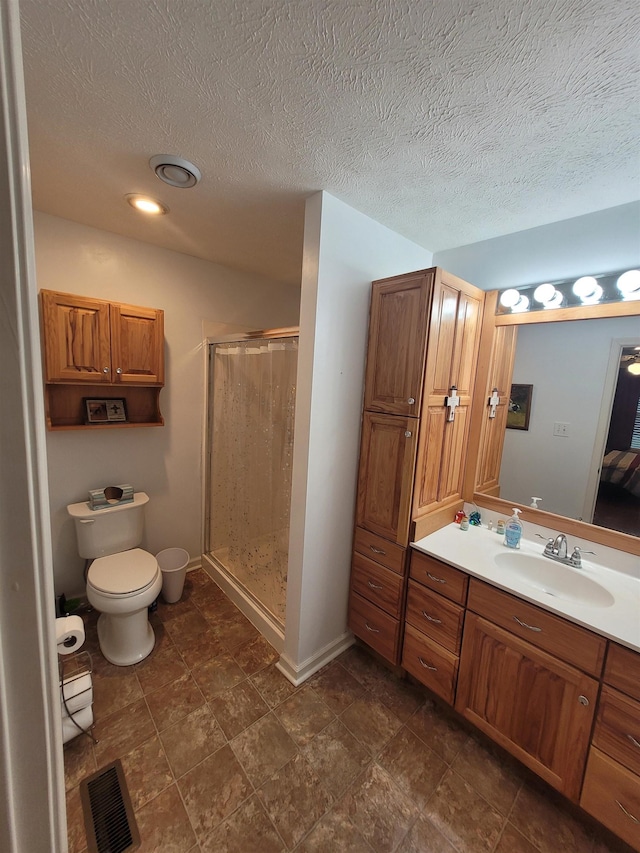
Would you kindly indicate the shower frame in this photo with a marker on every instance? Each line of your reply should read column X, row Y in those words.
column 246, row 602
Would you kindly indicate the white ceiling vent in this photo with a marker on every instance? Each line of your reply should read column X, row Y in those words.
column 175, row 171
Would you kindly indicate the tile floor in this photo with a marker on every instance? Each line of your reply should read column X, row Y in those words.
column 223, row 755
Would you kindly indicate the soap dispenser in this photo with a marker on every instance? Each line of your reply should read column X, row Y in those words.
column 513, row 531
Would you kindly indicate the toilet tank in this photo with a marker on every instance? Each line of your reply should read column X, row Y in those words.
column 102, row 532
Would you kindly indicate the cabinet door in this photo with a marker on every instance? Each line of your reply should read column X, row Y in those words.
column 76, row 338
column 534, row 705
column 385, row 476
column 137, row 340
column 454, row 337
column 397, row 342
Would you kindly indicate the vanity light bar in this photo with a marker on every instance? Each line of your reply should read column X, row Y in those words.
column 620, row 286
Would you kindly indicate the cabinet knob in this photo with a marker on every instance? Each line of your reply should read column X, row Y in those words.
column 105, row 369
column 583, row 700
column 119, row 371
column 407, row 434
column 411, row 400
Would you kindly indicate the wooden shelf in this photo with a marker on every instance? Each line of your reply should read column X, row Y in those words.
column 65, row 408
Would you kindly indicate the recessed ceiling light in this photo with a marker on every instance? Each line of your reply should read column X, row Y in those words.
column 146, row 204
column 175, row 171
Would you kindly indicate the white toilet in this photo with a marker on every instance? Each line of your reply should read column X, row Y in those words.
column 122, row 580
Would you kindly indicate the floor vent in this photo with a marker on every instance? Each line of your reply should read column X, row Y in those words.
column 108, row 813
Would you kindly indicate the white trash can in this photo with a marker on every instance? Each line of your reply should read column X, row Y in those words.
column 173, row 565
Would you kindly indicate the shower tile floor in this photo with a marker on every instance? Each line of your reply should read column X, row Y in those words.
column 223, row 755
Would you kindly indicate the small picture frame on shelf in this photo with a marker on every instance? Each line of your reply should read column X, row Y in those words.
column 519, row 407
column 105, row 410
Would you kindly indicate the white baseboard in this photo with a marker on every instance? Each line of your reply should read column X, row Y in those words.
column 257, row 615
column 299, row 673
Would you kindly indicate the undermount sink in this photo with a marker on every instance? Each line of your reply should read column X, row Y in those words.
column 554, row 579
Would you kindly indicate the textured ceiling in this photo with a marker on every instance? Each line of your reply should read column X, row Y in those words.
column 448, row 121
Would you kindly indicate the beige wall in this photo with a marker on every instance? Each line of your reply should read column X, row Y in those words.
column 166, row 462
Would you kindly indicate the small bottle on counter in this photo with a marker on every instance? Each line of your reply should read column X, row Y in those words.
column 464, row 523
column 500, row 526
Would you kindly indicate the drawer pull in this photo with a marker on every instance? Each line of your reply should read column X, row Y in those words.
column 373, row 585
column 628, row 814
column 369, row 628
column 583, row 700
column 426, row 665
column 434, row 578
column 634, row 741
column 431, row 618
column 377, row 550
column 524, row 625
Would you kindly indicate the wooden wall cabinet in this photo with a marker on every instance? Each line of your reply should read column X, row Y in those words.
column 94, row 348
column 424, row 333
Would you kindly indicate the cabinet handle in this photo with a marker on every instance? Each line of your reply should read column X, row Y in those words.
column 377, row 550
column 411, row 400
column 628, row 814
column 105, row 369
column 524, row 625
column 431, row 619
column 583, row 700
column 373, row 585
column 634, row 741
column 119, row 370
column 369, row 628
column 434, row 578
column 426, row 665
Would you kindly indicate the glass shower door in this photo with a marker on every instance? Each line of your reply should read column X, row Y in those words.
column 252, row 393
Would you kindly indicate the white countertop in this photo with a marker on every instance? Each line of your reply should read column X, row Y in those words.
column 474, row 551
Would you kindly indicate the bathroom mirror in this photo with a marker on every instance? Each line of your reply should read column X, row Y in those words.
column 573, row 366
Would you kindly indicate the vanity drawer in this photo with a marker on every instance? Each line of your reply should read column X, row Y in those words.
column 430, row 663
column 379, row 549
column 555, row 635
column 440, row 577
column 617, row 729
column 611, row 793
column 380, row 586
column 623, row 670
column 375, row 627
column 435, row 616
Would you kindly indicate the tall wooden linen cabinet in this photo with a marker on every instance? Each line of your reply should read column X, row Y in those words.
column 424, row 334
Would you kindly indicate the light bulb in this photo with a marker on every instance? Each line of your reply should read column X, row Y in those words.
column 634, row 368
column 145, row 204
column 521, row 305
column 510, row 298
column 544, row 293
column 629, row 284
column 587, row 289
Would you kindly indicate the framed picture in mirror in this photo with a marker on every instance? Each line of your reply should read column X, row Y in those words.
column 519, row 407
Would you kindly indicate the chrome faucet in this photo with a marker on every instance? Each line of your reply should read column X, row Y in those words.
column 556, row 549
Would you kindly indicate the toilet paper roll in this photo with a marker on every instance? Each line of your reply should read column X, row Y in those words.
column 69, row 634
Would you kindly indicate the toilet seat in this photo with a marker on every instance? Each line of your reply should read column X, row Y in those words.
column 124, row 574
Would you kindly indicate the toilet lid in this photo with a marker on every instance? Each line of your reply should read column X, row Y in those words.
column 126, row 572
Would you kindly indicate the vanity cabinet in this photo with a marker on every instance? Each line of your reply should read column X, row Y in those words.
column 433, row 627
column 611, row 791
column 95, row 348
column 424, row 333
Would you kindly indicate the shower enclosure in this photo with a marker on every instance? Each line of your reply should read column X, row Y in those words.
column 248, row 485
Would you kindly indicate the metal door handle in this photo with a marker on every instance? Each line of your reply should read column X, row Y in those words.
column 426, row 665
column 369, row 628
column 434, row 578
column 373, row 585
column 431, row 618
column 524, row 625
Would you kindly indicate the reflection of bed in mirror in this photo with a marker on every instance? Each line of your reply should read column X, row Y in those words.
column 618, row 500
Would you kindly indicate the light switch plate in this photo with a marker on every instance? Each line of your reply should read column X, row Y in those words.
column 561, row 429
